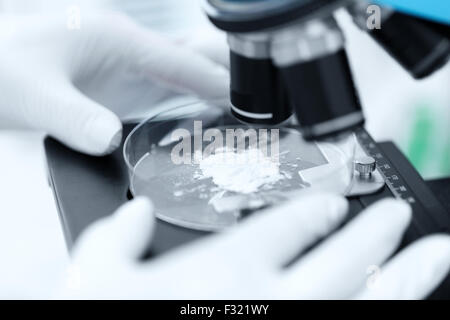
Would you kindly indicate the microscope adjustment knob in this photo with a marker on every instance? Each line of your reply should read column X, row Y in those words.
column 365, row 166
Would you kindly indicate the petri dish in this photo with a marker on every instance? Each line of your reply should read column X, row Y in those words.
column 205, row 170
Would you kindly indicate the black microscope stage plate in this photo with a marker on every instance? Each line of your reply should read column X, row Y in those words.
column 88, row 188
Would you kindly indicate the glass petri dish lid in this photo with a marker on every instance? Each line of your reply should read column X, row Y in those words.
column 205, row 170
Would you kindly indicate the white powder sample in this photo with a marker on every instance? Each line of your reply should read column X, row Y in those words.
column 242, row 172
column 178, row 193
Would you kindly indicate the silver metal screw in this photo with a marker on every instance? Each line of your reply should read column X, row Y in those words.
column 365, row 166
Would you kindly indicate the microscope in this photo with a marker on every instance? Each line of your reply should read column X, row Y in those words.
column 288, row 57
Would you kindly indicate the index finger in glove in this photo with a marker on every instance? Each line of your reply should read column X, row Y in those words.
column 339, row 264
column 276, row 236
column 414, row 272
column 161, row 59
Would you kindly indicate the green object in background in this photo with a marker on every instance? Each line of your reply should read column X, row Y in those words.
column 421, row 138
column 445, row 167
column 428, row 146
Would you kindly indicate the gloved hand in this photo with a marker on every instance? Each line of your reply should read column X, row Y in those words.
column 246, row 262
column 76, row 83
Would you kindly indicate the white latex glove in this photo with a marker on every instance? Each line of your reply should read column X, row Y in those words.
column 246, row 262
column 75, row 84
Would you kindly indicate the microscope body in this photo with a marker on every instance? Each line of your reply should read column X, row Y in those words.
column 288, row 57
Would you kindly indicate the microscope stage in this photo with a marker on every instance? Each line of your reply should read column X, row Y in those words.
column 89, row 188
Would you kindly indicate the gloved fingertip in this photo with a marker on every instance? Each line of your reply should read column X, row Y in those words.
column 115, row 142
column 106, row 135
column 124, row 234
column 143, row 202
column 338, row 205
column 140, row 207
column 396, row 209
column 333, row 204
column 97, row 131
column 134, row 225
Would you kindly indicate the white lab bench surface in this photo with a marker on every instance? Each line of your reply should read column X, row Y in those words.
column 32, row 247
